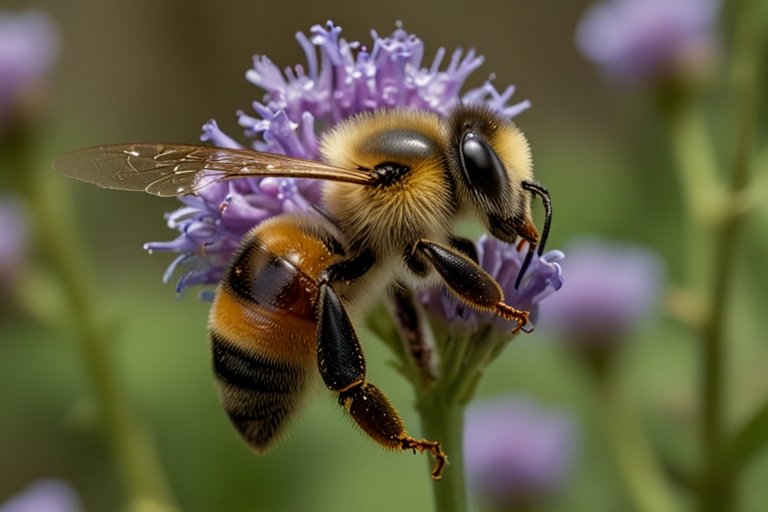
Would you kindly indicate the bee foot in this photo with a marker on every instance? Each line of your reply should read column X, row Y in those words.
column 433, row 447
column 516, row 315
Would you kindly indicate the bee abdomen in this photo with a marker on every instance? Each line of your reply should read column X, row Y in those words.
column 262, row 326
column 258, row 394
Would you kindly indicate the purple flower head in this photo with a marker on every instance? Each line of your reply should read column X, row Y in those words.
column 650, row 41
column 28, row 46
column 48, row 495
column 611, row 289
column 516, row 452
column 340, row 79
column 503, row 262
column 13, row 239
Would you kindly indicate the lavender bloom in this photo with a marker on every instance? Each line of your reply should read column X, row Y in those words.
column 28, row 46
column 516, row 452
column 503, row 262
column 44, row 496
column 13, row 239
column 649, row 41
column 341, row 78
column 611, row 289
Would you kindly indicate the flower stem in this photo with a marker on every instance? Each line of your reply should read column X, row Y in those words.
column 138, row 464
column 439, row 406
column 637, row 463
column 747, row 442
column 443, row 419
column 717, row 489
column 697, row 173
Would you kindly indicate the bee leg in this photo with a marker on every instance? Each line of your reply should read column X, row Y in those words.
column 465, row 246
column 469, row 281
column 342, row 366
column 411, row 324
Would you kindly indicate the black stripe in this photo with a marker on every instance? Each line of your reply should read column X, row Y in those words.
column 258, row 417
column 246, row 370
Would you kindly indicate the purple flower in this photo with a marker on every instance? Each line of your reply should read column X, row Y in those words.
column 503, row 262
column 649, row 41
column 611, row 289
column 341, row 78
column 28, row 46
column 13, row 239
column 516, row 452
column 48, row 495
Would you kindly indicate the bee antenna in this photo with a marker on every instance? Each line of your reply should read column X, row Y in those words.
column 538, row 190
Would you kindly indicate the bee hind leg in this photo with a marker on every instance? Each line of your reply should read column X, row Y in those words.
column 342, row 367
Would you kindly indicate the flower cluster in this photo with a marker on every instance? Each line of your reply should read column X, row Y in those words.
column 47, row 495
column 28, row 46
column 611, row 289
column 503, row 262
column 516, row 452
column 649, row 41
column 341, row 78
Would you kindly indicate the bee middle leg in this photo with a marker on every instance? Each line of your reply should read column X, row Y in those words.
column 469, row 281
column 342, row 367
column 465, row 246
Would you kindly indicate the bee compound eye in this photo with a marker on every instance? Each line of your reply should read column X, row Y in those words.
column 481, row 166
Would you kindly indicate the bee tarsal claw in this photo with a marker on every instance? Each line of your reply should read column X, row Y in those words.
column 433, row 447
column 518, row 316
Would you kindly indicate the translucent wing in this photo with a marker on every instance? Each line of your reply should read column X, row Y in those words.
column 168, row 170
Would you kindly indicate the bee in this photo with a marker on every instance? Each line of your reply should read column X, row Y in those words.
column 396, row 182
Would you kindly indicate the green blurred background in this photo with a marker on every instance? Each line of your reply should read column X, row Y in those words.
column 141, row 70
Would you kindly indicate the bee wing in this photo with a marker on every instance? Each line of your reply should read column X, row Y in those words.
column 169, row 170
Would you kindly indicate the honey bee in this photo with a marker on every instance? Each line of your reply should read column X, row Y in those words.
column 396, row 182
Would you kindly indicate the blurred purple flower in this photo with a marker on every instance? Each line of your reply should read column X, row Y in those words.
column 341, row 79
column 28, row 46
column 611, row 289
column 503, row 262
column 650, row 41
column 48, row 495
column 516, row 452
column 13, row 239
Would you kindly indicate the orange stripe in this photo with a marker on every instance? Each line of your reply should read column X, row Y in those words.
column 269, row 333
column 284, row 238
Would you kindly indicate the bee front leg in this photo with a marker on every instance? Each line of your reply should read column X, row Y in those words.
column 342, row 366
column 469, row 281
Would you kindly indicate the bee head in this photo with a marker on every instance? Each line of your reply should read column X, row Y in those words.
column 491, row 164
column 490, row 160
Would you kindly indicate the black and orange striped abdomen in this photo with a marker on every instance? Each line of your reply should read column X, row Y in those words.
column 262, row 325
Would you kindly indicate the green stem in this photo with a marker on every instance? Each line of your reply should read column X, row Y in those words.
column 635, row 457
column 483, row 346
column 137, row 460
column 697, row 174
column 747, row 442
column 716, row 491
column 443, row 419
